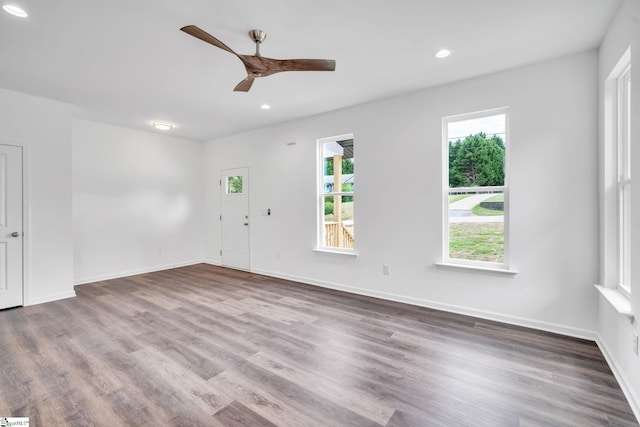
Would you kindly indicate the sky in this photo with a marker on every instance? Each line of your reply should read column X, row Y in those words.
column 490, row 125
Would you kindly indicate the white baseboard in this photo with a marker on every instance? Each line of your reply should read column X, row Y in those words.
column 632, row 397
column 50, row 298
column 488, row 315
column 99, row 278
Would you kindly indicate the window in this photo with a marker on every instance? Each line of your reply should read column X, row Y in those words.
column 336, row 194
column 624, row 178
column 475, row 189
column 234, row 185
column 615, row 186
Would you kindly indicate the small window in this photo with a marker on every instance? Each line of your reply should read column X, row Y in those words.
column 336, row 193
column 475, row 193
column 234, row 185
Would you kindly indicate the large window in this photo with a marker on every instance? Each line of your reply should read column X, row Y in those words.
column 624, row 178
column 476, row 193
column 336, row 194
column 615, row 183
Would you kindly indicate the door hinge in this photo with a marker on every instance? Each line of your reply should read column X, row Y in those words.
column 220, row 183
column 220, row 252
column 220, row 217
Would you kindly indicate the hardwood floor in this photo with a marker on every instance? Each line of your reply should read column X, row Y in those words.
column 209, row 346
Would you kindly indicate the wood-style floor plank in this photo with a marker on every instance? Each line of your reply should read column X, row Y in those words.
column 209, row 346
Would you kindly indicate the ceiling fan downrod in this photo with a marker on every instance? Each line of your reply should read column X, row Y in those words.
column 258, row 37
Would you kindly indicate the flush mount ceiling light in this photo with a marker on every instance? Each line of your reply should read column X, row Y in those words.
column 15, row 11
column 442, row 53
column 265, row 106
column 163, row 125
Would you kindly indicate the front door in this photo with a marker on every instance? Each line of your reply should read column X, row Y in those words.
column 10, row 226
column 234, row 221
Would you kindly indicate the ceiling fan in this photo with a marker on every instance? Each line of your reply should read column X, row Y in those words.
column 258, row 65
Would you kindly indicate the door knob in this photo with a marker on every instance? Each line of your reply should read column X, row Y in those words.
column 15, row 234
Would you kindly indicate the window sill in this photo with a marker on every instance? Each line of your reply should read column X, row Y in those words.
column 620, row 302
column 475, row 269
column 336, row 251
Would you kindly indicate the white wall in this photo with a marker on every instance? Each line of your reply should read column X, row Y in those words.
column 137, row 201
column 398, row 149
column 614, row 331
column 43, row 128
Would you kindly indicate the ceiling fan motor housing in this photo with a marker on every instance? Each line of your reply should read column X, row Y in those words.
column 257, row 36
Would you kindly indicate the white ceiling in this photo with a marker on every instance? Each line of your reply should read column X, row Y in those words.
column 125, row 62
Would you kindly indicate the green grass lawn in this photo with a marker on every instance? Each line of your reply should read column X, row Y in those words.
column 477, row 241
column 455, row 197
column 480, row 211
column 347, row 212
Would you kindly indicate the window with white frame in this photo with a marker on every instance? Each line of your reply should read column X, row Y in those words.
column 336, row 228
column 476, row 196
column 624, row 177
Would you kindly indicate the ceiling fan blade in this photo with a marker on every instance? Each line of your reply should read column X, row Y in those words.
column 244, row 85
column 198, row 33
column 299, row 64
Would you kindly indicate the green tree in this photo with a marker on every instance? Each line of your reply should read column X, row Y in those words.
column 347, row 166
column 235, row 184
column 476, row 161
column 328, row 205
column 346, row 187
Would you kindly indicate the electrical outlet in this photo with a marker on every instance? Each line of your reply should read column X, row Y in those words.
column 385, row 269
column 635, row 343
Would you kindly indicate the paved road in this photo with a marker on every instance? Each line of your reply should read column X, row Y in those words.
column 468, row 203
column 460, row 211
column 473, row 218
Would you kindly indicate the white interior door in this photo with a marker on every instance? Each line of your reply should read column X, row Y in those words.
column 234, row 221
column 10, row 226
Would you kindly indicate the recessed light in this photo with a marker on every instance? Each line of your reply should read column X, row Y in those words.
column 163, row 125
column 15, row 11
column 265, row 106
column 442, row 53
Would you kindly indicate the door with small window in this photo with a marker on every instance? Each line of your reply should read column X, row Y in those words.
column 234, row 218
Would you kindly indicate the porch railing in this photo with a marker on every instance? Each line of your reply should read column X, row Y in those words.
column 338, row 236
